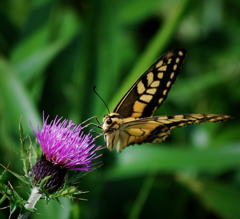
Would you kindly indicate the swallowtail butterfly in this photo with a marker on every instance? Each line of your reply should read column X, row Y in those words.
column 132, row 121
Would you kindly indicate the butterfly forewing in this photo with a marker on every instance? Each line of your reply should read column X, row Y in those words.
column 151, row 89
column 157, row 128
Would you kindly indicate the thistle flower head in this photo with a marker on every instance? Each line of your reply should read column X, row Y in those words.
column 64, row 147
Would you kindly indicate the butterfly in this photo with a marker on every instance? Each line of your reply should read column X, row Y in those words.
column 132, row 121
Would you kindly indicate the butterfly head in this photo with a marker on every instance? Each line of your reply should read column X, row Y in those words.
column 112, row 122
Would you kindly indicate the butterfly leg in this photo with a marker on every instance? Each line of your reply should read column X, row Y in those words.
column 99, row 124
column 100, row 134
column 91, row 118
column 95, row 126
column 101, row 148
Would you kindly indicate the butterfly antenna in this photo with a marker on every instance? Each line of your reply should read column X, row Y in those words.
column 100, row 98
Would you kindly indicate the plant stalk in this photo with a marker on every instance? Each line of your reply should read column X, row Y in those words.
column 32, row 201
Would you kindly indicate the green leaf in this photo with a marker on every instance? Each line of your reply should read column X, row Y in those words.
column 34, row 53
column 3, row 176
column 22, row 178
column 136, row 161
column 221, row 198
column 15, row 99
column 2, row 199
column 142, row 196
column 29, row 45
column 37, row 62
column 129, row 14
column 44, row 180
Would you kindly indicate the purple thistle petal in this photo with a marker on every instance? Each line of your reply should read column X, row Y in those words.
column 64, row 144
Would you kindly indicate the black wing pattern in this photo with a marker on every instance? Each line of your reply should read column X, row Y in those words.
column 151, row 89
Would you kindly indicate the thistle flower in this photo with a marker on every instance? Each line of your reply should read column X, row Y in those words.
column 64, row 148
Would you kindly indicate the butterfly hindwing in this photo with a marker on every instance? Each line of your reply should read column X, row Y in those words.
column 157, row 128
column 151, row 89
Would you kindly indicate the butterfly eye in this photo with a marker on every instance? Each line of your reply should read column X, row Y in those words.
column 109, row 122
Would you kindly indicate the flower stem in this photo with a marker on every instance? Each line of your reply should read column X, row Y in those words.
column 32, row 201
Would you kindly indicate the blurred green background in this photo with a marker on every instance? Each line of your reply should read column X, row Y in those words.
column 52, row 53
